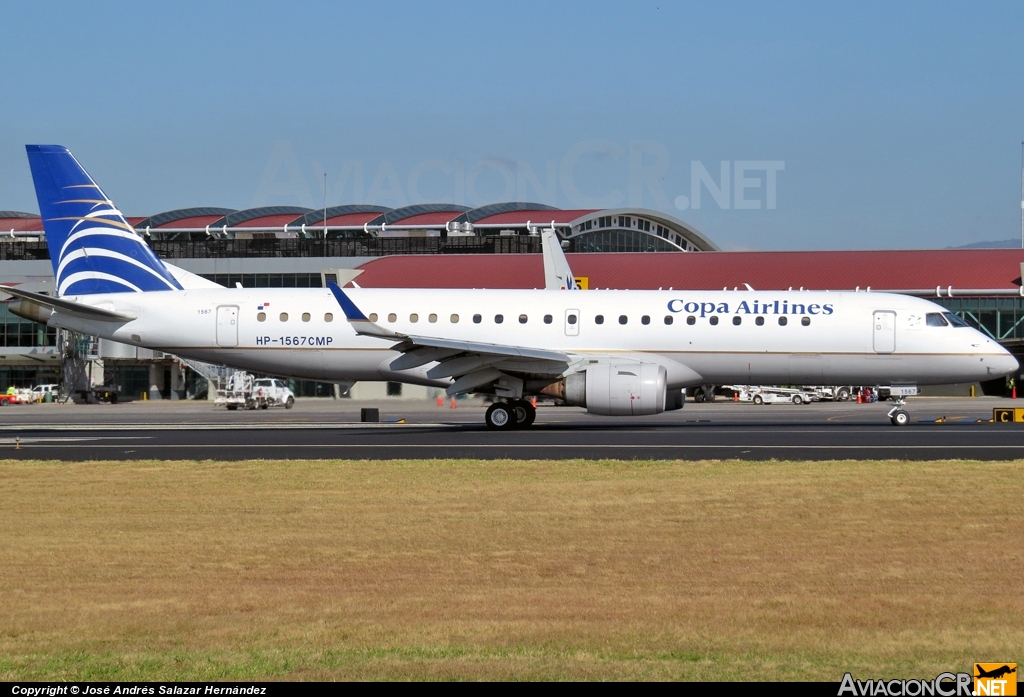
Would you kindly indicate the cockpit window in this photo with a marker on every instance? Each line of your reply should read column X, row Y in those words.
column 935, row 319
column 954, row 320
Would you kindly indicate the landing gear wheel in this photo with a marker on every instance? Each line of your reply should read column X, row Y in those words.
column 758, row 399
column 525, row 413
column 500, row 416
column 900, row 418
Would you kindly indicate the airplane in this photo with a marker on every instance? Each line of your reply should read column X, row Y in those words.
column 614, row 352
column 994, row 673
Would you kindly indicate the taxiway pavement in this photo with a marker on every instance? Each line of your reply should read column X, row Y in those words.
column 941, row 428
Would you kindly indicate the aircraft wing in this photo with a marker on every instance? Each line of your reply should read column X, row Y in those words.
column 470, row 364
column 67, row 306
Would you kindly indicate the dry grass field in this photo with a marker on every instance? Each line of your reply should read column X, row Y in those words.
column 508, row 570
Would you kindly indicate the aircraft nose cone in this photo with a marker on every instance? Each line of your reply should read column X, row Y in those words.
column 1005, row 364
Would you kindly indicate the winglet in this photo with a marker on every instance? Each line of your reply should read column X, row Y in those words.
column 352, row 313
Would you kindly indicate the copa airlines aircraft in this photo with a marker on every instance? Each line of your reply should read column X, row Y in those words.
column 613, row 352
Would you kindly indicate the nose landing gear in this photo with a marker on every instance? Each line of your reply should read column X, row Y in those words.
column 897, row 415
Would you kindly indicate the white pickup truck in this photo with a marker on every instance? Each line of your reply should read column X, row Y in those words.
column 243, row 391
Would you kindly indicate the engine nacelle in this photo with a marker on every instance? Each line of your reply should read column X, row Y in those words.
column 618, row 389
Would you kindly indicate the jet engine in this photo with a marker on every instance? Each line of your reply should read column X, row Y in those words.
column 619, row 389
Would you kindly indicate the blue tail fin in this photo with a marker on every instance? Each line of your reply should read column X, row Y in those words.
column 93, row 249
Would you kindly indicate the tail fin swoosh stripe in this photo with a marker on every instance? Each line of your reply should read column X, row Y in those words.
column 133, row 276
column 119, row 240
column 91, row 252
column 95, row 282
column 99, row 252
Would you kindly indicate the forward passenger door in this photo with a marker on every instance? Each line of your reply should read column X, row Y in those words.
column 884, row 331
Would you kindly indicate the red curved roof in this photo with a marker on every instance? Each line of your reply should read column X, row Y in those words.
column 539, row 217
column 21, row 224
column 196, row 221
column 891, row 270
column 347, row 219
column 436, row 218
column 268, row 221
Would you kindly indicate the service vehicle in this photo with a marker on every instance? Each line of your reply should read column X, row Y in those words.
column 44, row 393
column 765, row 394
column 10, row 397
column 242, row 390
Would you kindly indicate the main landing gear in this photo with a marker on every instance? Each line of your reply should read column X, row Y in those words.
column 517, row 413
column 897, row 415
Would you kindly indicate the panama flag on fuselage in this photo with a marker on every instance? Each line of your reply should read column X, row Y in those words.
column 93, row 249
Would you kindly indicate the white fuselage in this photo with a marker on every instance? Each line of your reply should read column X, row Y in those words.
column 304, row 333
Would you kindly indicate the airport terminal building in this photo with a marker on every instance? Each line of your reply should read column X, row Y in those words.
column 444, row 245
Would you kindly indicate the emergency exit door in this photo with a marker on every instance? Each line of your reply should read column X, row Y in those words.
column 884, row 331
column 227, row 326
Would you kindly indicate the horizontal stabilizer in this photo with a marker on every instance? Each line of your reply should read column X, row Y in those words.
column 67, row 306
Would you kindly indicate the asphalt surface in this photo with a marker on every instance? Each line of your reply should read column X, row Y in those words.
column 940, row 428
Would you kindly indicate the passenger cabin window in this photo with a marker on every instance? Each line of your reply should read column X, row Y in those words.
column 713, row 319
column 759, row 321
column 623, row 319
column 261, row 317
column 498, row 319
column 737, row 320
column 522, row 319
column 432, row 318
column 645, row 319
column 477, row 319
column 955, row 320
column 454, row 319
column 329, row 317
column 806, row 321
column 935, row 319
column 668, row 319
column 691, row 320
column 305, row 316
column 548, row 319
column 414, row 317
column 782, row 321
column 284, row 316
column 392, row 317
column 599, row 319
column 373, row 316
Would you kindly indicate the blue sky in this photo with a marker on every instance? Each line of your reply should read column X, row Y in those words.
column 884, row 125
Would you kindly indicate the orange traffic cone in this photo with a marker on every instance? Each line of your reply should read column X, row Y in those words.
column 453, row 403
column 735, row 396
column 533, row 402
column 859, row 401
column 440, row 401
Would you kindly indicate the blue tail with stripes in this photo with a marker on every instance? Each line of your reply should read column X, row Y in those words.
column 93, row 249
